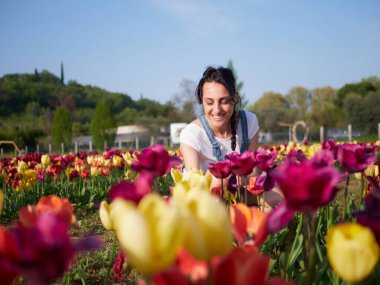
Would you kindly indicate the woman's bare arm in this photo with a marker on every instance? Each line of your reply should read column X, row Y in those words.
column 190, row 157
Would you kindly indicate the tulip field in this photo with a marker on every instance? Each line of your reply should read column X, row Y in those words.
column 133, row 217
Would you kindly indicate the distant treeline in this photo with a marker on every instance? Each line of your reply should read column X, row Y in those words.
column 28, row 103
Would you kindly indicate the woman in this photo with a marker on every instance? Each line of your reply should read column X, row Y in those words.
column 222, row 129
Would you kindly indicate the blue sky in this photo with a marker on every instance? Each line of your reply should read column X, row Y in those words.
column 147, row 47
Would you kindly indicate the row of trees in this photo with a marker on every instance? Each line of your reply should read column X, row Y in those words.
column 40, row 108
column 357, row 104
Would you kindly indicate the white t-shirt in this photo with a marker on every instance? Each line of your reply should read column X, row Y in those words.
column 196, row 137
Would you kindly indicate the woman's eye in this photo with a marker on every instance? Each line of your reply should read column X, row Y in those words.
column 225, row 102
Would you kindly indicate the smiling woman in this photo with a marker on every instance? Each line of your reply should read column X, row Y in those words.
column 222, row 129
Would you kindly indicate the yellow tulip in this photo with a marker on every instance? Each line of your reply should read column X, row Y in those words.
column 208, row 229
column 352, row 251
column 191, row 180
column 116, row 161
column 176, row 175
column 149, row 234
column 95, row 171
column 371, row 170
column 90, row 159
column 22, row 166
column 105, row 215
column 128, row 158
column 29, row 178
column 1, row 201
column 45, row 160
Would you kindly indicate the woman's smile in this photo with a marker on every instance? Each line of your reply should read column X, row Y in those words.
column 218, row 106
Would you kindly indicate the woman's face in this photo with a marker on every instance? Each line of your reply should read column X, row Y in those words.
column 217, row 104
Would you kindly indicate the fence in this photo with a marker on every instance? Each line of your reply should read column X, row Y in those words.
column 140, row 143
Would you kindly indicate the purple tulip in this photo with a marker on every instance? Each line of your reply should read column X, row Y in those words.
column 370, row 217
column 265, row 181
column 241, row 164
column 221, row 169
column 307, row 186
column 155, row 160
column 232, row 184
column 355, row 157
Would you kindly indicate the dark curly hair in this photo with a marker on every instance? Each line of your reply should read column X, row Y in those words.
column 225, row 77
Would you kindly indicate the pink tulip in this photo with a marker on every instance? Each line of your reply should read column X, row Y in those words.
column 355, row 157
column 307, row 185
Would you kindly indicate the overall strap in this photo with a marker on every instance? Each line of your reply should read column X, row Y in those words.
column 244, row 128
column 215, row 146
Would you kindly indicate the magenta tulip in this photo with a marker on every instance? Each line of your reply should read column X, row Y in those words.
column 330, row 145
column 307, row 186
column 221, row 169
column 355, row 157
column 132, row 191
column 155, row 160
column 265, row 160
column 241, row 164
column 42, row 252
column 279, row 218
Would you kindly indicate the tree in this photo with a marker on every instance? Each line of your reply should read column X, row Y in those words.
column 103, row 126
column 62, row 75
column 298, row 99
column 362, row 88
column 323, row 111
column 62, row 127
column 363, row 113
column 238, row 86
column 186, row 101
column 270, row 109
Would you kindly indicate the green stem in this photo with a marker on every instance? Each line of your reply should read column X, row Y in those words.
column 112, row 258
column 310, row 225
column 362, row 189
column 345, row 197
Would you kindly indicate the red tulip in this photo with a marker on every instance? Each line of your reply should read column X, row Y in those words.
column 242, row 266
column 355, row 157
column 53, row 204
